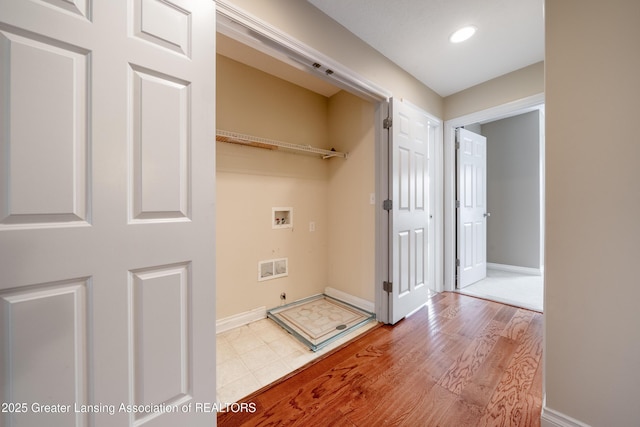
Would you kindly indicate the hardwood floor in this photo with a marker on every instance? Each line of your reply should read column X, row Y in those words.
column 461, row 361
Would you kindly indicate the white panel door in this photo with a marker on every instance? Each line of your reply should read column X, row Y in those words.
column 472, row 213
column 412, row 139
column 107, row 180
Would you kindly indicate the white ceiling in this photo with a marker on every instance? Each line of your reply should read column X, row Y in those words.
column 414, row 34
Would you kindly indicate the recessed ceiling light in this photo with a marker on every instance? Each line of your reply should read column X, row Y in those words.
column 463, row 34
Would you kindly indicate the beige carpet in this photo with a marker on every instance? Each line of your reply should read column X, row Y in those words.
column 520, row 290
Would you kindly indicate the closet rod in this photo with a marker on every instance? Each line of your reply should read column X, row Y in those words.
column 270, row 144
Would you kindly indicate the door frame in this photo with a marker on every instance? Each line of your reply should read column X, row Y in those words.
column 245, row 28
column 503, row 111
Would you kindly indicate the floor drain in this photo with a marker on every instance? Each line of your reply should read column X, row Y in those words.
column 341, row 327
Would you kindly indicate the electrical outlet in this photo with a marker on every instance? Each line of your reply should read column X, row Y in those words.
column 312, row 226
column 372, row 198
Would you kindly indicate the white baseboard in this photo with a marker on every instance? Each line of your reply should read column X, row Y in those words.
column 240, row 319
column 515, row 269
column 353, row 300
column 552, row 418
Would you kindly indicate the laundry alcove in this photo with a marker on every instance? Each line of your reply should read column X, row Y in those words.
column 332, row 241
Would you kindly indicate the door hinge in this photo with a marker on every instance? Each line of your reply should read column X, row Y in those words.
column 457, row 263
column 387, row 205
column 457, row 203
column 387, row 123
column 387, row 286
column 457, row 145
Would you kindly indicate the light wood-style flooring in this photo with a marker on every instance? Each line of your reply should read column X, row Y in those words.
column 461, row 361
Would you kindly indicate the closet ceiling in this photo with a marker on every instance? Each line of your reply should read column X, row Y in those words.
column 242, row 53
column 415, row 35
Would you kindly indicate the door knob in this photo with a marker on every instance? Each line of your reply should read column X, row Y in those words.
column 487, row 214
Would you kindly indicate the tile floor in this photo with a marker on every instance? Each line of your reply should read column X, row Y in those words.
column 254, row 355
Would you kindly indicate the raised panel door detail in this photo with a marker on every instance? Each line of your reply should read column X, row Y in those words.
column 164, row 24
column 45, row 352
column 160, row 303
column 80, row 8
column 469, row 245
column 421, row 133
column 404, row 125
column 420, row 179
column 420, row 257
column 479, row 243
column 467, row 147
column 404, row 251
column 467, row 181
column 404, row 182
column 44, row 173
column 160, row 147
column 480, row 186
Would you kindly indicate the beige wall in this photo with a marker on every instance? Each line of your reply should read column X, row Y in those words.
column 351, row 217
column 334, row 193
column 592, row 321
column 309, row 25
column 250, row 181
column 256, row 103
column 517, row 85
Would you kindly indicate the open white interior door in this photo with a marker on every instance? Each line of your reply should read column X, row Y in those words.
column 107, row 183
column 412, row 139
column 472, row 210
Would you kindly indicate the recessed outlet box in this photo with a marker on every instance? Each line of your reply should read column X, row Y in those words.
column 281, row 217
column 273, row 268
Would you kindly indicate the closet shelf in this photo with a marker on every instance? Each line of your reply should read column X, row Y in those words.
column 270, row 144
